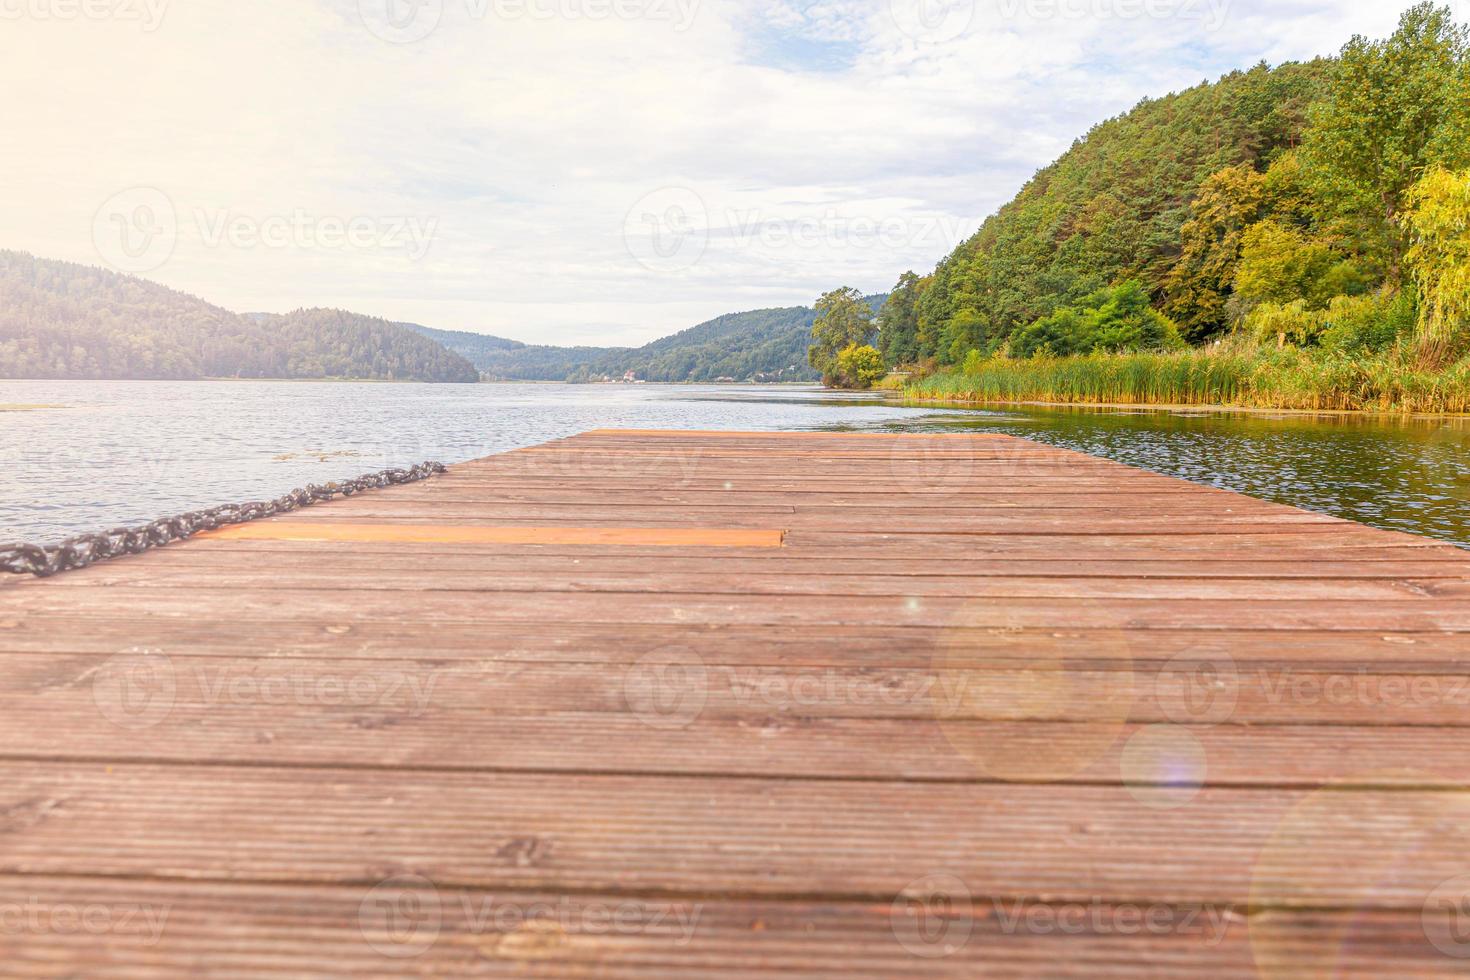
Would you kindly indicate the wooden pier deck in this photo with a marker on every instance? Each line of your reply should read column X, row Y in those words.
column 670, row 704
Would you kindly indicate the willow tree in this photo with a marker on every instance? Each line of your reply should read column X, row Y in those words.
column 1440, row 259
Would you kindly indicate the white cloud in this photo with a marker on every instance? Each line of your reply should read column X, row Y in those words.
column 825, row 143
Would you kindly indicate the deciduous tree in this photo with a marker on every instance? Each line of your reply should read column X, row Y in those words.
column 844, row 320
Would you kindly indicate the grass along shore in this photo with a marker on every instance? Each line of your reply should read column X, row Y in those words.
column 1287, row 379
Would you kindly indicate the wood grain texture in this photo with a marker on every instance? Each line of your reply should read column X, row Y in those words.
column 990, row 708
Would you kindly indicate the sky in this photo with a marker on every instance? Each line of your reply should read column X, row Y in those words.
column 572, row 171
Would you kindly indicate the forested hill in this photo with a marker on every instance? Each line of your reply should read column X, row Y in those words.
column 1111, row 209
column 63, row 320
column 1310, row 205
column 337, row 344
column 758, row 345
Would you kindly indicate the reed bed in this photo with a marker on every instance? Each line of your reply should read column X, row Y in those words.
column 1289, row 379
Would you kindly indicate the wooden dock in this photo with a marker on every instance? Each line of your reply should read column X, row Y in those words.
column 672, row 704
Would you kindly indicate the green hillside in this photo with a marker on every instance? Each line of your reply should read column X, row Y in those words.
column 1310, row 217
column 1111, row 209
column 767, row 345
column 758, row 345
column 63, row 320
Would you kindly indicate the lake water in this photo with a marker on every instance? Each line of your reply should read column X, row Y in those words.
column 85, row 456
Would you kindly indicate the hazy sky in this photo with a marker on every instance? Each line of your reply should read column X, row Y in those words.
column 571, row 171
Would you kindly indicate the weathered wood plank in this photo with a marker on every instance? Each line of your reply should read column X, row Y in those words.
column 860, row 841
column 194, row 929
column 1124, row 616
column 804, row 646
column 300, row 557
column 513, row 577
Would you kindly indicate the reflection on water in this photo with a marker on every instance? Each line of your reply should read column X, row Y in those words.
column 1400, row 473
column 128, row 452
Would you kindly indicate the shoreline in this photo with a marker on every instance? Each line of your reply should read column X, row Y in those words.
column 455, row 384
column 1173, row 407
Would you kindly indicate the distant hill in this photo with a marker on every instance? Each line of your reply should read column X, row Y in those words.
column 338, row 344
column 511, row 360
column 758, row 345
column 63, row 320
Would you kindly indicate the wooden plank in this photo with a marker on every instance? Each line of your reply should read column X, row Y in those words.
column 1126, row 617
column 730, row 835
column 293, row 557
column 641, row 537
column 354, row 637
column 270, row 930
column 511, row 577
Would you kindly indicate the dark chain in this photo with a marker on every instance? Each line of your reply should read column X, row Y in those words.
column 79, row 552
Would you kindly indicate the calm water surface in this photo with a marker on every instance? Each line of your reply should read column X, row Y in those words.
column 84, row 456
